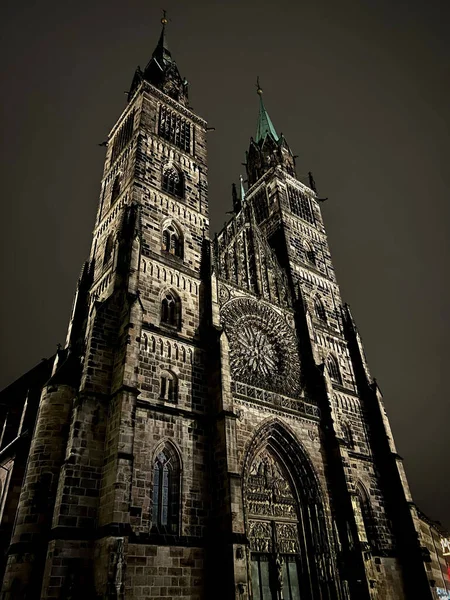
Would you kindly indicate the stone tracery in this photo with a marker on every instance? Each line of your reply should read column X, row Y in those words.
column 263, row 350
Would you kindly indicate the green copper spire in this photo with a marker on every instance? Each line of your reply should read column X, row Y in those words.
column 265, row 125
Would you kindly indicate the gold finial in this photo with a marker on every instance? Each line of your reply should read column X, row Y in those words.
column 258, row 87
column 164, row 18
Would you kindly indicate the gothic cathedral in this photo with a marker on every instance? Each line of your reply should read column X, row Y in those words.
column 210, row 429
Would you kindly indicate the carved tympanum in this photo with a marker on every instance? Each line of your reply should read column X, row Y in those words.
column 269, row 498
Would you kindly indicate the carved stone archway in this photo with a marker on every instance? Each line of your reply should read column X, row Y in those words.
column 290, row 556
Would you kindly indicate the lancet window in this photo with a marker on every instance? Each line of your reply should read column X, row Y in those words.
column 363, row 516
column 171, row 309
column 115, row 192
column 333, row 370
column 173, row 182
column 320, row 310
column 310, row 255
column 166, row 491
column 172, row 241
column 174, row 129
column 109, row 246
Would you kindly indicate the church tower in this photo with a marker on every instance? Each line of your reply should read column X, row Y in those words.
column 318, row 505
column 210, row 428
column 116, row 479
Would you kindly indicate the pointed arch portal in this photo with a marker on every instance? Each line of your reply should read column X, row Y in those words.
column 289, row 551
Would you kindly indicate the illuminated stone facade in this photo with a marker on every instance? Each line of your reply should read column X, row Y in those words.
column 436, row 548
column 211, row 429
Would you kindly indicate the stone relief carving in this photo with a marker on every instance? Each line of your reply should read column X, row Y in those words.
column 268, row 497
column 263, row 349
column 260, row 534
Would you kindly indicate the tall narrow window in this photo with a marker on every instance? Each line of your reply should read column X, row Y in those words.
column 108, row 249
column 333, row 370
column 172, row 241
column 115, row 193
column 310, row 255
column 365, row 508
column 169, row 386
column 347, row 434
column 320, row 310
column 171, row 310
column 360, row 526
column 260, row 206
column 122, row 137
column 173, row 182
column 166, row 490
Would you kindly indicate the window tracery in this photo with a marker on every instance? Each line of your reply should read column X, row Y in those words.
column 173, row 182
column 309, row 253
column 333, row 370
column 171, row 309
column 172, row 240
column 263, row 349
column 300, row 204
column 166, row 491
column 174, row 128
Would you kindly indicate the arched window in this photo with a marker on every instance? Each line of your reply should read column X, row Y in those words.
column 172, row 240
column 166, row 490
column 333, row 370
column 363, row 516
column 309, row 253
column 347, row 434
column 115, row 189
column 171, row 310
column 173, row 182
column 320, row 310
column 168, row 386
column 108, row 249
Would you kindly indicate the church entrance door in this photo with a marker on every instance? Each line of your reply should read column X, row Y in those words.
column 273, row 528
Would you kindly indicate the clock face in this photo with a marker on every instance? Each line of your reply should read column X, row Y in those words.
column 263, row 348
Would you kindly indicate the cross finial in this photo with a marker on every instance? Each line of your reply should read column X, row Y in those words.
column 258, row 87
column 164, row 17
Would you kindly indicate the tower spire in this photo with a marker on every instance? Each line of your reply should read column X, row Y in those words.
column 162, row 71
column 162, row 52
column 265, row 125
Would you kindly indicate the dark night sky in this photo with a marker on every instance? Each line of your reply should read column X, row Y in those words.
column 360, row 89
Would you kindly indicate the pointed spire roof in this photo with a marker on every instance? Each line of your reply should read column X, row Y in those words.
column 162, row 71
column 162, row 53
column 265, row 125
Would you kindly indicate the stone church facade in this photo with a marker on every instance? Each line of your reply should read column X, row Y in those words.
column 211, row 428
